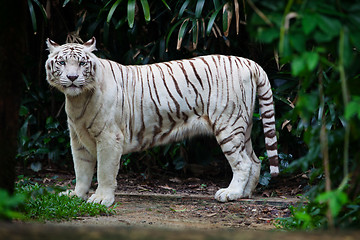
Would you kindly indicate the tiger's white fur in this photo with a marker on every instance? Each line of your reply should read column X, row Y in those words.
column 114, row 109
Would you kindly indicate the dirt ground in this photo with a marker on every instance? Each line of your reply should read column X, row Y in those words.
column 188, row 203
column 190, row 212
column 177, row 208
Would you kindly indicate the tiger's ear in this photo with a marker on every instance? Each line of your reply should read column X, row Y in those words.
column 51, row 45
column 91, row 44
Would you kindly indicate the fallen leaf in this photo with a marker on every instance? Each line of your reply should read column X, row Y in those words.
column 166, row 187
column 143, row 189
column 211, row 214
column 175, row 180
column 178, row 210
column 266, row 194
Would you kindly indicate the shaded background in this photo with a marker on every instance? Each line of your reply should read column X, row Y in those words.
column 310, row 50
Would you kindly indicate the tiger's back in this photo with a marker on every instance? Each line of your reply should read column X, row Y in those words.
column 195, row 96
column 163, row 102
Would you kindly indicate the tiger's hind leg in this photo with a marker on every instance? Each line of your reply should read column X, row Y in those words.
column 233, row 146
column 255, row 165
column 253, row 176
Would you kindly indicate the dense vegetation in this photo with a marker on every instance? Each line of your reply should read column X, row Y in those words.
column 310, row 50
column 35, row 202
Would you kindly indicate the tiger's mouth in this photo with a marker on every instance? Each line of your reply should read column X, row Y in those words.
column 73, row 86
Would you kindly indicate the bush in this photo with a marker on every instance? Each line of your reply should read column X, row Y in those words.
column 43, row 203
column 310, row 50
column 317, row 46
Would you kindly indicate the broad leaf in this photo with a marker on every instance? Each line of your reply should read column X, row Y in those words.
column 182, row 33
column 131, row 12
column 112, row 10
column 146, row 9
column 199, row 8
column 308, row 23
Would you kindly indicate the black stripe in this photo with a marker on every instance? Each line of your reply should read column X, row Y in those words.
column 226, row 140
column 173, row 124
column 271, row 147
column 95, row 116
column 274, row 161
column 189, row 82
column 140, row 135
column 98, row 134
column 153, row 78
column 196, row 74
column 157, row 110
column 169, row 92
column 208, row 80
column 173, row 78
column 270, row 133
column 268, row 114
column 85, row 107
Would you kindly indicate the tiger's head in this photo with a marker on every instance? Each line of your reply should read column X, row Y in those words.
column 71, row 67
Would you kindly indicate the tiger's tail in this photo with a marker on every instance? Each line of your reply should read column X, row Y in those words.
column 267, row 111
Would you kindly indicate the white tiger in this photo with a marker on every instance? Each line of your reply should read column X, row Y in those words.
column 114, row 109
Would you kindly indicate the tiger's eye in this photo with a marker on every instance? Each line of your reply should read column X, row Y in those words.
column 61, row 62
column 82, row 63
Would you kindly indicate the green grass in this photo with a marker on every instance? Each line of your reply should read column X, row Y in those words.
column 44, row 204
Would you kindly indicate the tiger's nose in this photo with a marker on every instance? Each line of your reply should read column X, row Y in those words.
column 72, row 77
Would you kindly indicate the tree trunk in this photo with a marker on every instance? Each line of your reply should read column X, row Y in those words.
column 12, row 51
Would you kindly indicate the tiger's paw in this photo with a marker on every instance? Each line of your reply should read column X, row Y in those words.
column 103, row 198
column 71, row 193
column 227, row 194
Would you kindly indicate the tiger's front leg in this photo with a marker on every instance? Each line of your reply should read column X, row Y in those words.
column 84, row 165
column 109, row 150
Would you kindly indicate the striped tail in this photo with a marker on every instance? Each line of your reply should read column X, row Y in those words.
column 268, row 118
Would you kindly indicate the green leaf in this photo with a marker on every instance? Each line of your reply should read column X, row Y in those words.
column 330, row 26
column 23, row 132
column 131, row 12
column 199, row 8
column 336, row 200
column 307, row 104
column 65, row 3
column 36, row 166
column 353, row 108
column 355, row 38
column 120, row 23
column 33, row 16
column 146, row 9
column 182, row 33
column 166, row 5
column 227, row 16
column 308, row 23
column 216, row 4
column 286, row 46
column 195, row 31
column 312, row 60
column 212, row 19
column 348, row 51
column 267, row 35
column 297, row 41
column 322, row 37
column 183, row 8
column 112, row 10
column 23, row 111
column 42, row 9
column 265, row 179
column 298, row 66
column 170, row 33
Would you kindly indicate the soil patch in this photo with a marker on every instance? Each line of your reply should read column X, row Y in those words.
column 191, row 212
column 188, row 203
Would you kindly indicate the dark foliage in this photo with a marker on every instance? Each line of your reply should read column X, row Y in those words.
column 310, row 50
